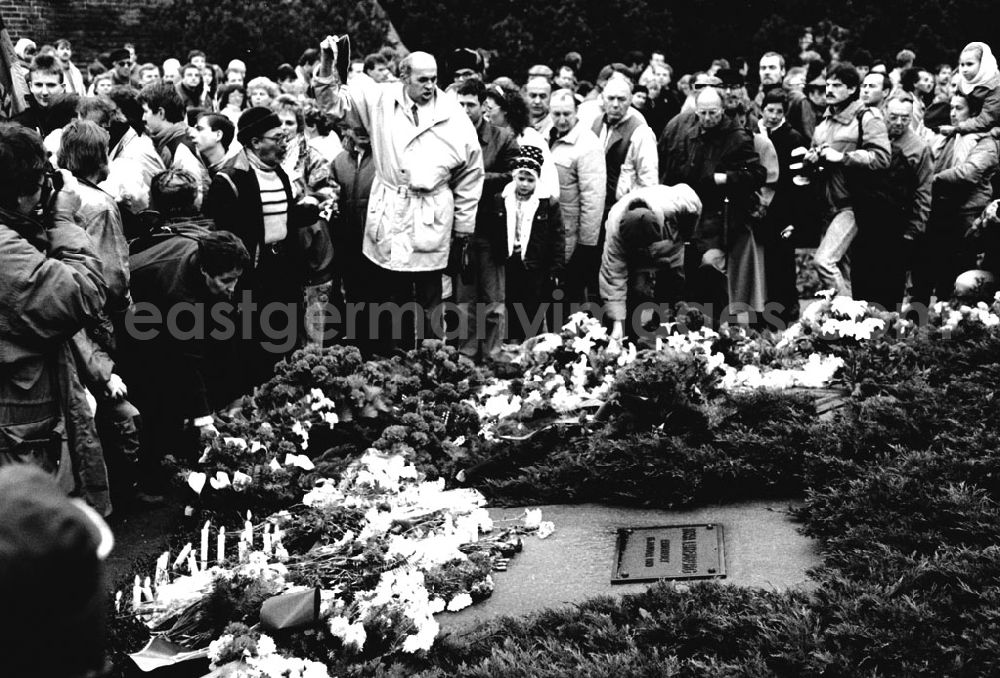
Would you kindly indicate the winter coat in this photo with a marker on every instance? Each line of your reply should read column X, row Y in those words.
column 354, row 172
column 840, row 131
column 786, row 208
column 579, row 159
column 911, row 173
column 132, row 162
column 988, row 95
column 692, row 155
column 164, row 276
column 670, row 204
column 546, row 241
column 641, row 165
column 50, row 287
column 964, row 164
column 234, row 204
column 428, row 178
column 100, row 217
column 307, row 169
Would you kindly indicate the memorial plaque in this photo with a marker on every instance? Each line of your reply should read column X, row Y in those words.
column 669, row 552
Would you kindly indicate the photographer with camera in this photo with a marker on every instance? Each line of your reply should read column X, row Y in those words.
column 850, row 155
column 51, row 286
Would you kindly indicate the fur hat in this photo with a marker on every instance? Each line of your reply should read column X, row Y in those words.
column 254, row 122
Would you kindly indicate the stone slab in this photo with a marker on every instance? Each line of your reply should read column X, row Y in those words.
column 763, row 549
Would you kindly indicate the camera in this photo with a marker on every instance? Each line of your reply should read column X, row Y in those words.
column 803, row 172
column 52, row 183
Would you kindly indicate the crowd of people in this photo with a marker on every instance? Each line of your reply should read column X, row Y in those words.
column 169, row 232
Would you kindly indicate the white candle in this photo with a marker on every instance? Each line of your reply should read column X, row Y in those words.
column 161, row 568
column 248, row 531
column 192, row 564
column 204, row 545
column 136, row 594
column 147, row 590
column 220, row 555
column 182, row 556
column 267, row 539
column 118, row 601
column 659, row 344
column 243, row 551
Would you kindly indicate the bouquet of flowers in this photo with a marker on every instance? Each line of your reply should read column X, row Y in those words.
column 253, row 654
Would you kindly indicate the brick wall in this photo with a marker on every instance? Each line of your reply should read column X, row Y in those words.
column 93, row 26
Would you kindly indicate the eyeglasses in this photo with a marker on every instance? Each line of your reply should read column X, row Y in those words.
column 276, row 138
column 124, row 62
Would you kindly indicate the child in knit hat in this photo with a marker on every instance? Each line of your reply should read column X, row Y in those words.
column 531, row 240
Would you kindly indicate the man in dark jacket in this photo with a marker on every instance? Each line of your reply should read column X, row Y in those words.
column 50, row 287
column 479, row 292
column 717, row 159
column 883, row 255
column 178, row 374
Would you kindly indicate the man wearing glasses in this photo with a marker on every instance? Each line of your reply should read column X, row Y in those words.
column 121, row 66
column 251, row 196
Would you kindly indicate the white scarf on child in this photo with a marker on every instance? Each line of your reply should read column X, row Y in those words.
column 528, row 209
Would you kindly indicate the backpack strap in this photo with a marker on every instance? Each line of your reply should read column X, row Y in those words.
column 861, row 128
column 232, row 184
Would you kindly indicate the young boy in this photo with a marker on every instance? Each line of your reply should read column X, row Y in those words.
column 530, row 238
column 788, row 209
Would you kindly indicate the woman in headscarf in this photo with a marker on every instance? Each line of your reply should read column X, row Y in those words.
column 980, row 83
column 964, row 163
